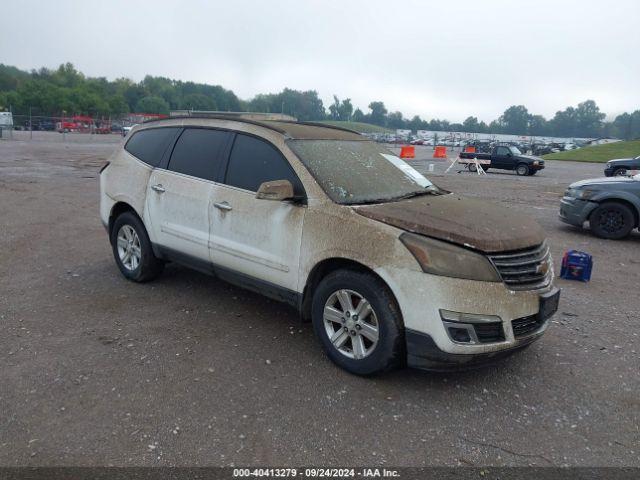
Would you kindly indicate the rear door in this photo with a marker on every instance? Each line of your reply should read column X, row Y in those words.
column 179, row 195
column 259, row 239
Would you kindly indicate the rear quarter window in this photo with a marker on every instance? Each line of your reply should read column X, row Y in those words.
column 150, row 144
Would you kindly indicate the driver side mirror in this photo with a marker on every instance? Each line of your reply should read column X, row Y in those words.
column 277, row 190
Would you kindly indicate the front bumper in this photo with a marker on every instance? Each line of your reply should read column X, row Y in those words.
column 608, row 172
column 424, row 354
column 575, row 211
column 423, row 298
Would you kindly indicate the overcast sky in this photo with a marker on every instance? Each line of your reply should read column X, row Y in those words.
column 445, row 59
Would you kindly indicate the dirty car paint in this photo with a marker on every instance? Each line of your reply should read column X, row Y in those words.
column 480, row 225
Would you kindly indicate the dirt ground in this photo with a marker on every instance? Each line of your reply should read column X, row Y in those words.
column 188, row 370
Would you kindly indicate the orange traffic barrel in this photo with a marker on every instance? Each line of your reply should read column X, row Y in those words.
column 440, row 152
column 408, row 152
column 470, row 149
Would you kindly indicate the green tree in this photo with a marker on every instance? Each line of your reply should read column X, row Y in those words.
column 345, row 110
column 358, row 116
column 471, row 125
column 152, row 104
column 564, row 123
column 416, row 123
column 589, row 119
column 198, row 101
column 378, row 113
column 538, row 125
column 515, row 120
column 395, row 120
column 334, row 109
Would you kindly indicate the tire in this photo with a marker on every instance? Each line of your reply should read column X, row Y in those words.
column 612, row 220
column 344, row 287
column 522, row 169
column 619, row 172
column 473, row 168
column 128, row 232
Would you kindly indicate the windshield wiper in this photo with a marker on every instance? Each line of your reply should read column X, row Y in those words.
column 427, row 191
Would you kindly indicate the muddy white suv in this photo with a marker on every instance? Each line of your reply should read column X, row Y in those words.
column 389, row 268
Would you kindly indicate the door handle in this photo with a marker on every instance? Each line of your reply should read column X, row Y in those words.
column 158, row 188
column 223, row 206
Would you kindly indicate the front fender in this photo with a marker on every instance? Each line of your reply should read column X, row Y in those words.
column 600, row 197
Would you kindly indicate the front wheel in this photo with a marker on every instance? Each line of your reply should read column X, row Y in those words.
column 620, row 172
column 132, row 249
column 356, row 318
column 522, row 169
column 612, row 220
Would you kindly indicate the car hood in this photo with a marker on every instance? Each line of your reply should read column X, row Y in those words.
column 471, row 223
column 604, row 181
column 620, row 160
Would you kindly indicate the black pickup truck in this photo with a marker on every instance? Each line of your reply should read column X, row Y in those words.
column 507, row 157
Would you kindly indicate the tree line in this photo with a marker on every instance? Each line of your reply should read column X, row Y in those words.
column 66, row 91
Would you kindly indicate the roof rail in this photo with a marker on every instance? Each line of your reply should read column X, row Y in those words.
column 241, row 115
column 328, row 125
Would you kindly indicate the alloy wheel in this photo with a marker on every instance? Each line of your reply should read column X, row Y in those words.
column 129, row 250
column 351, row 324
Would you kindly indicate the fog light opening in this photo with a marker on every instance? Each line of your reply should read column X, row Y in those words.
column 460, row 335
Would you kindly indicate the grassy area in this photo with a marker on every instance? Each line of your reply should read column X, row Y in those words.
column 599, row 153
column 359, row 126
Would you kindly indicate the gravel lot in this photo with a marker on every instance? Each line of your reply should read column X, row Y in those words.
column 191, row 371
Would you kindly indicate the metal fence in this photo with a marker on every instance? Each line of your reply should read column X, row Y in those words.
column 64, row 129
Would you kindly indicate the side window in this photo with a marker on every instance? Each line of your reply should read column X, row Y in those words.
column 254, row 161
column 198, row 152
column 502, row 151
column 149, row 145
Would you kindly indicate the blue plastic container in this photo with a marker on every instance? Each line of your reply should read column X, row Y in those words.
column 576, row 266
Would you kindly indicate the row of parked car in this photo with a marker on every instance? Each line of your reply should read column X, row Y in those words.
column 610, row 205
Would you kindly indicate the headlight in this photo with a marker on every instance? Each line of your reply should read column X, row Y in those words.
column 582, row 194
column 441, row 258
column 536, row 162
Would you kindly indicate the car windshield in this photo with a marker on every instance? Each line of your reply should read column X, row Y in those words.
column 357, row 172
column 515, row 150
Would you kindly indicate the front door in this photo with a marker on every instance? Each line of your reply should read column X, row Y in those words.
column 503, row 158
column 256, row 238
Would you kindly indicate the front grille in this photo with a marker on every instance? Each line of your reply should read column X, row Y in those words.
column 489, row 332
column 526, row 325
column 528, row 269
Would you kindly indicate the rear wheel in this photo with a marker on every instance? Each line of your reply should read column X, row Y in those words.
column 612, row 220
column 132, row 249
column 522, row 169
column 356, row 318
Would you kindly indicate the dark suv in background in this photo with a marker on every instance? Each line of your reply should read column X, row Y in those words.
column 621, row 166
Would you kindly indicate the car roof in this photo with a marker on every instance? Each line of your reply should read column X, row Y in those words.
column 291, row 129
